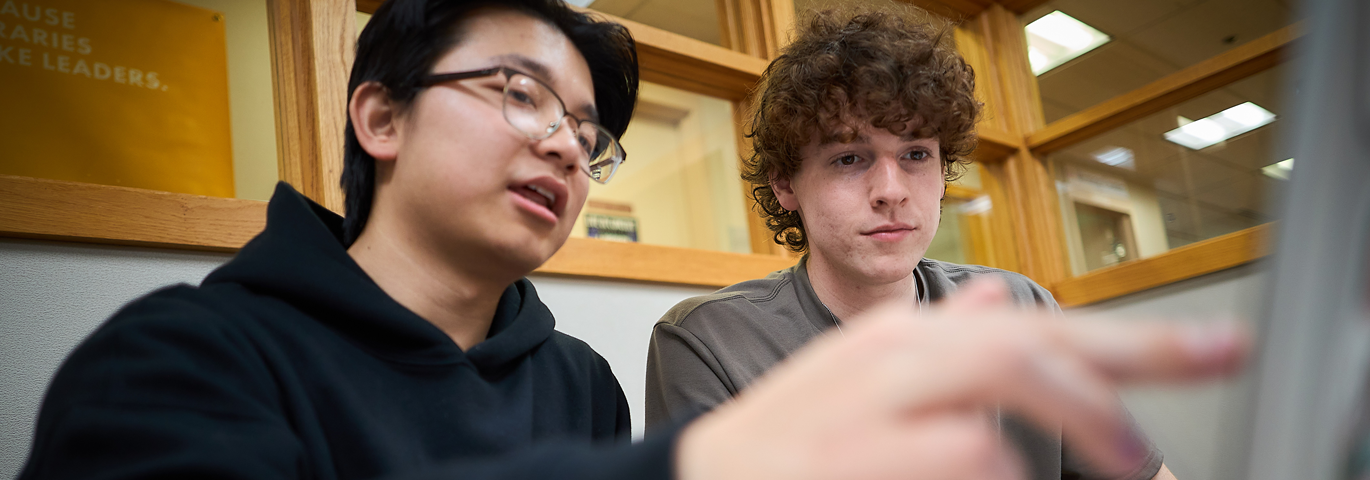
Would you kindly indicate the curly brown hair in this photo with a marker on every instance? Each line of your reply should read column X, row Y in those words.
column 895, row 67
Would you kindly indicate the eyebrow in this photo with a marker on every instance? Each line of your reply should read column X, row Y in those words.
column 909, row 137
column 539, row 70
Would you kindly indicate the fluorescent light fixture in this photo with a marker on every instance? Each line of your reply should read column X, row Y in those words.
column 1057, row 38
column 1118, row 157
column 1205, row 132
column 1279, row 170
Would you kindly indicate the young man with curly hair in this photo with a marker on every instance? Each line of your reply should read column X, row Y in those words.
column 861, row 123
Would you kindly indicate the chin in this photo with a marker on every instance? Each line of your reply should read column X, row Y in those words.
column 893, row 266
column 519, row 255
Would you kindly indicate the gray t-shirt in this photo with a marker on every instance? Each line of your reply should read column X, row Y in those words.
column 709, row 348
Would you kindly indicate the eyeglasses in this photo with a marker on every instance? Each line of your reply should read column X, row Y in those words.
column 533, row 109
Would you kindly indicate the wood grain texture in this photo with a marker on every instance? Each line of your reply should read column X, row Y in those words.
column 1007, row 47
column 959, row 10
column 1031, row 191
column 1000, row 248
column 956, row 10
column 594, row 258
column 994, row 145
column 1021, row 6
column 688, row 64
column 970, row 43
column 961, row 192
column 1243, row 61
column 369, row 6
column 757, row 39
column 83, row 212
column 755, row 27
column 1182, row 263
column 783, row 16
column 312, row 46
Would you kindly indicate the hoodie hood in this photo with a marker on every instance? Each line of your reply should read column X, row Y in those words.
column 300, row 259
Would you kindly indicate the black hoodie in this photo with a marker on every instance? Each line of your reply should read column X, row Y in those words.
column 290, row 362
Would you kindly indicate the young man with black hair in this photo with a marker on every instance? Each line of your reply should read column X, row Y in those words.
column 404, row 342
column 864, row 119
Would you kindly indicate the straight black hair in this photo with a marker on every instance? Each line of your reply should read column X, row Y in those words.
column 405, row 38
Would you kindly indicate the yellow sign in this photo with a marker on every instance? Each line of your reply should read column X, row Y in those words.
column 116, row 92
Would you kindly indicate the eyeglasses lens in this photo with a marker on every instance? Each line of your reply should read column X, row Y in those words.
column 530, row 107
column 534, row 110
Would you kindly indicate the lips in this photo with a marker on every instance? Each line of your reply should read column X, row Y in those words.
column 539, row 195
column 543, row 196
column 890, row 232
column 889, row 228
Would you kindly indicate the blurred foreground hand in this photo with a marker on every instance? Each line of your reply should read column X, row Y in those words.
column 902, row 395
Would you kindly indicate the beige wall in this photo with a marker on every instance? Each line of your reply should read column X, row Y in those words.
column 1138, row 202
column 681, row 176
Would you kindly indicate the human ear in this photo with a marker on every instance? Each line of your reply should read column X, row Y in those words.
column 374, row 117
column 784, row 192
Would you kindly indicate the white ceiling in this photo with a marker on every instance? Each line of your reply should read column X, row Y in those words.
column 1151, row 39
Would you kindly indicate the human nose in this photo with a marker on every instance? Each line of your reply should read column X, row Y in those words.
column 563, row 147
column 887, row 188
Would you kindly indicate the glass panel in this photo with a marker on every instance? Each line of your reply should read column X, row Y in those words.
column 1149, row 40
column 97, row 94
column 951, row 243
column 963, row 234
column 680, row 185
column 697, row 19
column 1138, row 190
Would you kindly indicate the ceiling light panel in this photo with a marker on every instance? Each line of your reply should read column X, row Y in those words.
column 1279, row 170
column 1118, row 157
column 1219, row 127
column 1057, row 38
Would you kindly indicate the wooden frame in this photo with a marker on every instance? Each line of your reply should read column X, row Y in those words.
column 967, row 9
column 688, row 64
column 601, row 259
column 71, row 211
column 311, row 57
column 1182, row 263
column 1192, row 260
column 755, row 27
column 1019, row 184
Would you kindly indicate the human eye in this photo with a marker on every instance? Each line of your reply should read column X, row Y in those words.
column 918, row 154
column 846, row 160
column 521, row 96
column 587, row 142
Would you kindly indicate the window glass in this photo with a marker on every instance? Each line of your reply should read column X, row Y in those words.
column 963, row 233
column 697, row 20
column 1147, row 40
column 97, row 94
column 950, row 243
column 680, row 184
column 1202, row 169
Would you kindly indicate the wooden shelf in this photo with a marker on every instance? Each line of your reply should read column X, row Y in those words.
column 81, row 212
